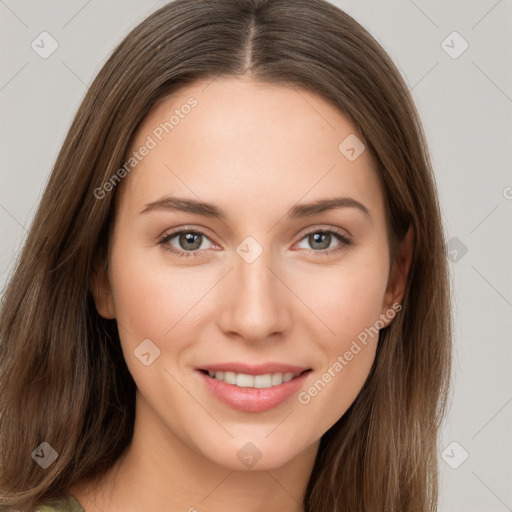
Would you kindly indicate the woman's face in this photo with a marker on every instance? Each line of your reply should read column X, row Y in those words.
column 255, row 284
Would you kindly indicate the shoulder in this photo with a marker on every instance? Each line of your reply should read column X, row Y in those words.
column 66, row 503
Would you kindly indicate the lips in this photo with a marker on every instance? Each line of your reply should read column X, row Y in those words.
column 253, row 388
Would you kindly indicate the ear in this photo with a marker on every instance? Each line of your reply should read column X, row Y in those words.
column 399, row 272
column 102, row 293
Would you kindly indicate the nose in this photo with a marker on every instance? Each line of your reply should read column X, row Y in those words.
column 255, row 302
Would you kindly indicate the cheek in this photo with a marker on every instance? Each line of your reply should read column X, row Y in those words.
column 155, row 300
column 348, row 301
column 346, row 297
column 158, row 303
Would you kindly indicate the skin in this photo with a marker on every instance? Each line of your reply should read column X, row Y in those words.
column 255, row 150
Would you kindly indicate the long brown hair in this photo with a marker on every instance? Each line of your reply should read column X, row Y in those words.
column 63, row 378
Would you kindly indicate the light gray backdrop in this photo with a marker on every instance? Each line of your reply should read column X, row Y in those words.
column 456, row 57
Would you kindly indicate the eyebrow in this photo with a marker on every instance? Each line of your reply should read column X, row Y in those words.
column 182, row 204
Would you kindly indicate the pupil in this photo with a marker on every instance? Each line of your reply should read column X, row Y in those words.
column 324, row 236
column 188, row 238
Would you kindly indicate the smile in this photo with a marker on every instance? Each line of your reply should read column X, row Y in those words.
column 257, row 388
column 245, row 380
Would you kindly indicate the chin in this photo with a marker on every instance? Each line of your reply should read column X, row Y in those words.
column 258, row 454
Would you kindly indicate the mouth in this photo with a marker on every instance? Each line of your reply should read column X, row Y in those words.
column 255, row 389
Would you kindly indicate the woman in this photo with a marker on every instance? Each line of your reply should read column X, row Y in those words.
column 141, row 372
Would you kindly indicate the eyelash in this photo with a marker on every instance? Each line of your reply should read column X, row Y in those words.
column 345, row 242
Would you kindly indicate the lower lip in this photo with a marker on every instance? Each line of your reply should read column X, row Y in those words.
column 253, row 399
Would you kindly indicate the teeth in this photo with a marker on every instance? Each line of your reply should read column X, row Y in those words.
column 229, row 377
column 244, row 380
column 263, row 381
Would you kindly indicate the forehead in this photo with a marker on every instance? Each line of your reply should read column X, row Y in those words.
column 249, row 145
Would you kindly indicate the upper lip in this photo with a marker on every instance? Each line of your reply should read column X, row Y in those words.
column 254, row 369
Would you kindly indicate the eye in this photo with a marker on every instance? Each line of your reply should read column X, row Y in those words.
column 321, row 241
column 189, row 242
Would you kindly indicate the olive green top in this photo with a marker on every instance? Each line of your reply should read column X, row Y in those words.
column 65, row 503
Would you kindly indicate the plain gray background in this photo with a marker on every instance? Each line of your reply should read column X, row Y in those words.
column 465, row 102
